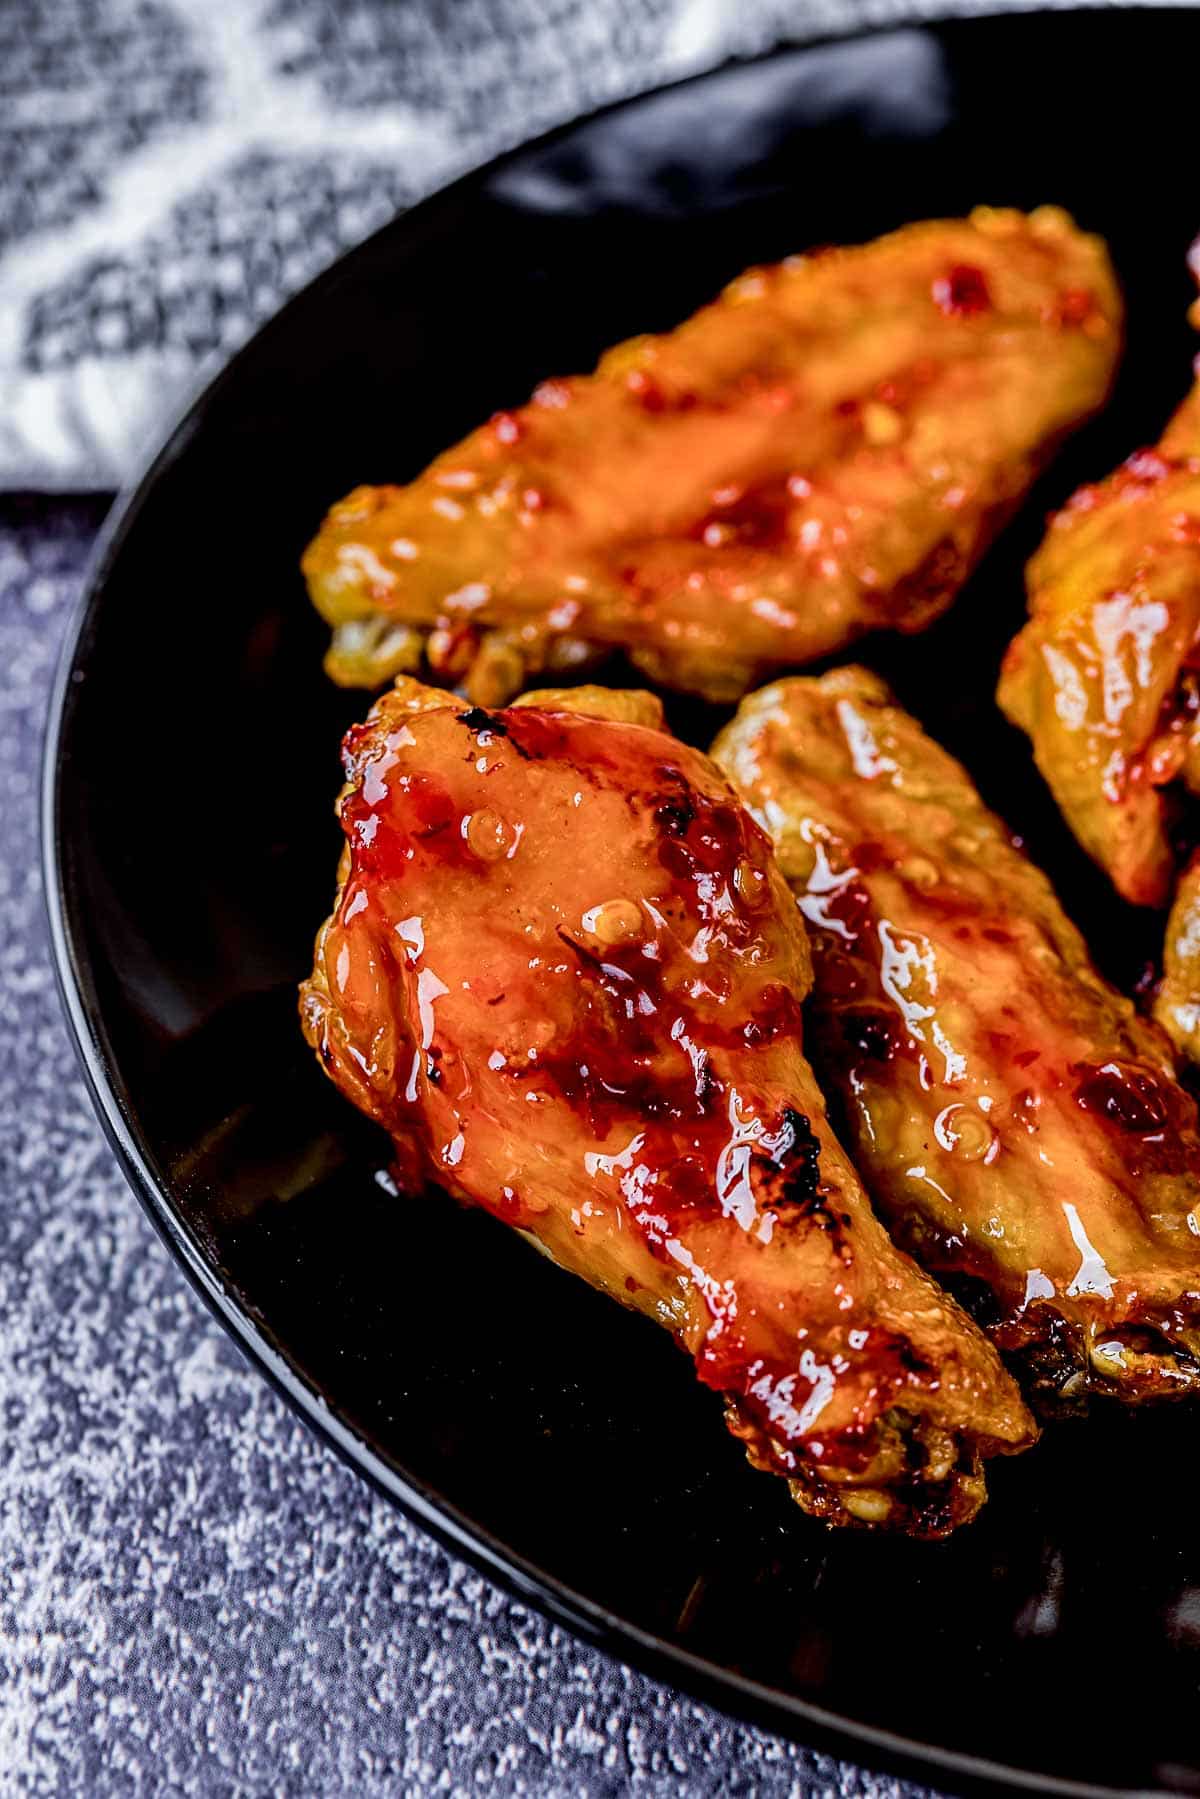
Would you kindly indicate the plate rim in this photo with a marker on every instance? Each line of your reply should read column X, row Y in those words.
column 800, row 1719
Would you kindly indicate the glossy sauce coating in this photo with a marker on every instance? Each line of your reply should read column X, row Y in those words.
column 1105, row 677
column 565, row 974
column 1016, row 1122
column 1177, row 999
column 824, row 451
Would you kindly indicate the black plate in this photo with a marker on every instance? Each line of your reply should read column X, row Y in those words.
column 192, row 765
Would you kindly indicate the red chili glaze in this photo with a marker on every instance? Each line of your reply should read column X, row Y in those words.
column 435, row 825
column 652, row 1016
column 1155, row 1116
column 754, row 518
column 452, row 647
column 565, row 974
column 962, row 292
column 1130, row 1097
column 1185, row 528
column 1146, row 468
column 1076, row 305
column 653, row 397
column 852, row 975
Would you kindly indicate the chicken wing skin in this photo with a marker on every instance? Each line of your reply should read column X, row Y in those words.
column 1177, row 1001
column 824, row 451
column 1105, row 677
column 563, row 972
column 1017, row 1124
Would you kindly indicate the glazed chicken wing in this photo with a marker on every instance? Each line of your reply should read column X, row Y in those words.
column 564, row 972
column 1017, row 1124
column 1177, row 1001
column 1105, row 677
column 824, row 451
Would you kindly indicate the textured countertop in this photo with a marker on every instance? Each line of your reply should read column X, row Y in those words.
column 197, row 1597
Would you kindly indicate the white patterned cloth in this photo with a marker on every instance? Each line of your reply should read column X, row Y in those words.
column 170, row 170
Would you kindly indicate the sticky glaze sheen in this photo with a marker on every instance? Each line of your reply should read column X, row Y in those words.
column 1103, row 677
column 584, row 1015
column 824, row 450
column 1018, row 1125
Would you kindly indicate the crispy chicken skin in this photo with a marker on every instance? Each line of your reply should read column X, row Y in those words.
column 564, row 972
column 1017, row 1124
column 1105, row 677
column 824, row 451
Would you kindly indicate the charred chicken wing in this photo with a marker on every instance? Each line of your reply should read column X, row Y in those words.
column 1017, row 1124
column 1105, row 677
column 824, row 451
column 564, row 972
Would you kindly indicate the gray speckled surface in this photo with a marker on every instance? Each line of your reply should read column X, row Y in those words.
column 195, row 1596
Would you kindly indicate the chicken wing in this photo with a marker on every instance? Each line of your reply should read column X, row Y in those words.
column 1177, row 1001
column 564, row 973
column 1105, row 677
column 824, row 451
column 1017, row 1124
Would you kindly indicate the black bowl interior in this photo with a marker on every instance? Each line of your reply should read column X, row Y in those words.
column 193, row 847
